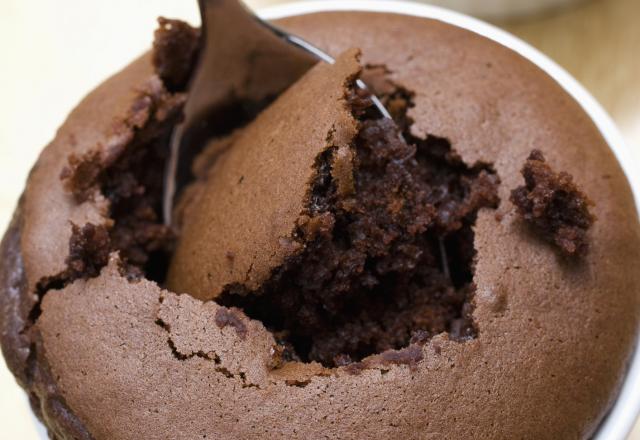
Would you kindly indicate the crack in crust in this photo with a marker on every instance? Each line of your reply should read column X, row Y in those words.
column 22, row 346
column 211, row 356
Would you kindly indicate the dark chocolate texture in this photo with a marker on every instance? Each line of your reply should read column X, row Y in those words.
column 390, row 261
column 554, row 206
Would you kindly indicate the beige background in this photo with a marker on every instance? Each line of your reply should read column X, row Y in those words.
column 53, row 52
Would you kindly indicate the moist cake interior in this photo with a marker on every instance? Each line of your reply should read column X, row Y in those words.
column 388, row 265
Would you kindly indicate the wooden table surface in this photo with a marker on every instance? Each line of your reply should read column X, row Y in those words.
column 598, row 42
column 54, row 52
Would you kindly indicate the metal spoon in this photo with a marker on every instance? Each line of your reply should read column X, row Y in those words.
column 244, row 63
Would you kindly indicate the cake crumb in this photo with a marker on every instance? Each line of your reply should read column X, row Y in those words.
column 553, row 205
column 410, row 356
column 88, row 250
column 175, row 50
column 225, row 317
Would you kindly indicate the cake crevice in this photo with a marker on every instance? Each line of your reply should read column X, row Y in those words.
column 371, row 276
column 210, row 356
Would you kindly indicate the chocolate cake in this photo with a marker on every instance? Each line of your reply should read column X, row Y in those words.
column 368, row 246
column 330, row 273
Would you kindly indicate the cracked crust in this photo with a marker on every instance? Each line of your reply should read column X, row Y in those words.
column 22, row 345
column 553, row 338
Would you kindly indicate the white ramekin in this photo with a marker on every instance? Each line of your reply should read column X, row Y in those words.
column 503, row 9
column 625, row 410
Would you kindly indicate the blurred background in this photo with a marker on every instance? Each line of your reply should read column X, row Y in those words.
column 54, row 52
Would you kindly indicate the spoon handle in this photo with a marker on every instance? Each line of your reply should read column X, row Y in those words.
column 242, row 66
